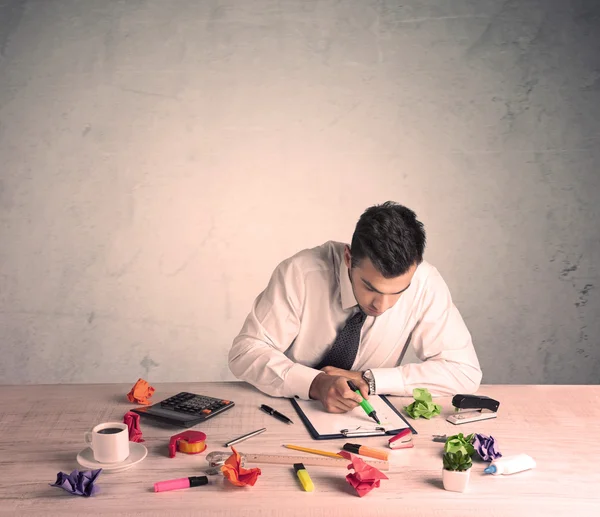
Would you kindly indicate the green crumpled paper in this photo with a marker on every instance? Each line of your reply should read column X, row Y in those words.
column 460, row 443
column 423, row 406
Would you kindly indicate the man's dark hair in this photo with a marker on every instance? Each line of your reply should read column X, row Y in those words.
column 391, row 237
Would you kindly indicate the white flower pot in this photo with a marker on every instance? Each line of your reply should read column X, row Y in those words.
column 455, row 480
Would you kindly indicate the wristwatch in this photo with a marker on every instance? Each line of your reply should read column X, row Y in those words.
column 370, row 380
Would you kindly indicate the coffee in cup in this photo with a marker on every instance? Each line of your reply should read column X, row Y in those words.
column 110, row 430
column 109, row 442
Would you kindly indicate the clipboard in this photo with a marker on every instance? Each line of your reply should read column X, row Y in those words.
column 328, row 426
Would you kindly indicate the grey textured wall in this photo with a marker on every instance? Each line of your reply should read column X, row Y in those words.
column 159, row 158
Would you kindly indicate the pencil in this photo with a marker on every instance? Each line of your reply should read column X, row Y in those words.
column 313, row 451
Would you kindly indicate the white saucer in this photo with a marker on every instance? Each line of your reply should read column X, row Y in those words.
column 137, row 452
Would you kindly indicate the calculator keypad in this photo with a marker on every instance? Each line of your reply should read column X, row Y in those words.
column 193, row 404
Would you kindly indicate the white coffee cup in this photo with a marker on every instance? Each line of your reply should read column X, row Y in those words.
column 109, row 442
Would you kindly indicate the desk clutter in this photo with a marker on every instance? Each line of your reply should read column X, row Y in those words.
column 116, row 446
column 184, row 409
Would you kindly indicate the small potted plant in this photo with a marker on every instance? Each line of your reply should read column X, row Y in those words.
column 457, row 468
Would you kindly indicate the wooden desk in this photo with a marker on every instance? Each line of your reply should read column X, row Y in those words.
column 41, row 432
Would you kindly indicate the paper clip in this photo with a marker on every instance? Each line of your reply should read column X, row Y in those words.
column 359, row 431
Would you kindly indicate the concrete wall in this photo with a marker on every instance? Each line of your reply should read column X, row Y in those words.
column 159, row 158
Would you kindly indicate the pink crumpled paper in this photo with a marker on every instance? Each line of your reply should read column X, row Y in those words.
column 364, row 478
column 132, row 420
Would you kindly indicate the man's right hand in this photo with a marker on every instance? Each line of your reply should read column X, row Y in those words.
column 334, row 393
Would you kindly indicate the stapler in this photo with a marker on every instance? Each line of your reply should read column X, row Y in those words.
column 472, row 408
column 403, row 440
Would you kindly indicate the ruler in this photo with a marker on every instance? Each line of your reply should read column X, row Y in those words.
column 312, row 461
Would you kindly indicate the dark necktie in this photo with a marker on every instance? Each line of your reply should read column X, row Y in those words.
column 344, row 349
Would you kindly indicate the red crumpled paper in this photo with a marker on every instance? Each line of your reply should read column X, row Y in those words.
column 365, row 478
column 236, row 474
column 132, row 420
column 141, row 392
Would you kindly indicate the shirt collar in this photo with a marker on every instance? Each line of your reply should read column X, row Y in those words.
column 347, row 295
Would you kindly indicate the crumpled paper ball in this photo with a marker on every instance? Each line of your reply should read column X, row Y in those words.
column 365, row 477
column 460, row 443
column 423, row 406
column 132, row 420
column 78, row 483
column 141, row 392
column 236, row 474
column 485, row 446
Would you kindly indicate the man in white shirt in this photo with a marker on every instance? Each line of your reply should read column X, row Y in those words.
column 377, row 296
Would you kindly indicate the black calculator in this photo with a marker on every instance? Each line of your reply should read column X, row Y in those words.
column 185, row 409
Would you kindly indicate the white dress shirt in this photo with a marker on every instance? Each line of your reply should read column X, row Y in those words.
column 295, row 320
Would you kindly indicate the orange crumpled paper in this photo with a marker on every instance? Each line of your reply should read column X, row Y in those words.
column 238, row 475
column 365, row 477
column 141, row 392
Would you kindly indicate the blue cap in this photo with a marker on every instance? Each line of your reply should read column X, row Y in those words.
column 490, row 470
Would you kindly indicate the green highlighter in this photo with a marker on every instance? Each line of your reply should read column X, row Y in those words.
column 365, row 403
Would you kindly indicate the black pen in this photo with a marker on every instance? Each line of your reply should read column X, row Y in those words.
column 276, row 414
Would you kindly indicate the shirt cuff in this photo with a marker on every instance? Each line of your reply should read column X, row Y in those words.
column 298, row 380
column 389, row 381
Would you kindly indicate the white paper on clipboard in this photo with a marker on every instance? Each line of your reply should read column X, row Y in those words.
column 356, row 420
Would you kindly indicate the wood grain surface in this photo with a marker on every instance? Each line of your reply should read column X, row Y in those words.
column 41, row 432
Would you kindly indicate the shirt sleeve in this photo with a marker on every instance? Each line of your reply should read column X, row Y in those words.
column 257, row 354
column 442, row 341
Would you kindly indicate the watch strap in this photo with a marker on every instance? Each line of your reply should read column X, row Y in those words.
column 370, row 380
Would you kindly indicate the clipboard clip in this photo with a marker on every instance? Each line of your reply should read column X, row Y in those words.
column 359, row 431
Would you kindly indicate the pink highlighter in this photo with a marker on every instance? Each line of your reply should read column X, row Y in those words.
column 176, row 484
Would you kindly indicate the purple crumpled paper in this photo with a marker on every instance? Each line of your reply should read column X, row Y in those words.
column 486, row 447
column 78, row 483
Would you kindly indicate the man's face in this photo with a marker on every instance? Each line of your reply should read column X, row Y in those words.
column 374, row 293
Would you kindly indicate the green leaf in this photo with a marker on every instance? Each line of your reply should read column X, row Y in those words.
column 457, row 461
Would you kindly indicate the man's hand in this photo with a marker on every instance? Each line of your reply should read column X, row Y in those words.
column 355, row 377
column 334, row 393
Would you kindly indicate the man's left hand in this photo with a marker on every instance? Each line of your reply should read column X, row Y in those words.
column 355, row 377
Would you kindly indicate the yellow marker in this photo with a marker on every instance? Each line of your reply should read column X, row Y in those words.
column 304, row 478
column 314, row 451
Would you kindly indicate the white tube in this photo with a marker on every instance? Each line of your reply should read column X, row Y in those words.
column 511, row 465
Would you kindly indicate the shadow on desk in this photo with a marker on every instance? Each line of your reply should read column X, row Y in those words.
column 434, row 482
column 335, row 484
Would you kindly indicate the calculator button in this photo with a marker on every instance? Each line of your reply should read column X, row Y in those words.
column 206, row 411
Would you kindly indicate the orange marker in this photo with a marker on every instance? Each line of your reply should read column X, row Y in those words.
column 357, row 448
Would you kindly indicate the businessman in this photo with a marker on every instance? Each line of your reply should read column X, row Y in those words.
column 339, row 312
